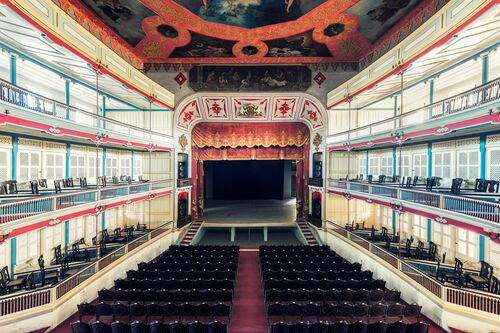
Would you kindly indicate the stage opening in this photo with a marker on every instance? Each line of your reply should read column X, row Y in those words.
column 250, row 191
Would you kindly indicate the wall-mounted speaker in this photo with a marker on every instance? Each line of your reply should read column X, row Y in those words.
column 317, row 165
column 182, row 166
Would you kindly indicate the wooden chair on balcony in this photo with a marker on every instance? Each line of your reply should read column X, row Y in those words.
column 77, row 254
column 456, row 185
column 117, row 236
column 65, row 270
column 483, row 279
column 406, row 251
column 44, row 276
column 7, row 283
column 455, row 276
column 495, row 285
column 431, row 253
column 57, row 254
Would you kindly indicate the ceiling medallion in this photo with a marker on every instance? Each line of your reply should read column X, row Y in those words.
column 319, row 78
column 180, row 79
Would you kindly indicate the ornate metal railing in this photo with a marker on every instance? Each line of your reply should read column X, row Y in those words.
column 484, row 94
column 473, row 299
column 482, row 209
column 17, row 210
column 18, row 302
column 12, row 94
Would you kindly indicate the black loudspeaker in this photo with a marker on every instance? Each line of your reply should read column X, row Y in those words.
column 316, row 207
column 182, row 166
column 182, row 208
column 317, row 165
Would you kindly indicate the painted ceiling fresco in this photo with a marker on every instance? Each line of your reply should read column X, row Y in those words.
column 250, row 31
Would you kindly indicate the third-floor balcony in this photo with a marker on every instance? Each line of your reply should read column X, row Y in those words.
column 33, row 111
column 475, row 107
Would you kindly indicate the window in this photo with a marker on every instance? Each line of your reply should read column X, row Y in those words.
column 111, row 166
column 420, row 227
column 467, row 243
column 468, row 164
column 28, row 165
column 374, row 169
column 494, row 163
column 406, row 221
column 420, row 165
column 385, row 216
column 92, row 166
column 111, row 222
column 386, row 165
column 5, row 164
column 54, row 166
column 90, row 225
column 405, row 166
column 137, row 166
column 27, row 246
column 4, row 254
column 76, row 229
column 53, row 237
column 441, row 234
column 442, row 165
column 494, row 252
column 77, row 166
column 125, row 166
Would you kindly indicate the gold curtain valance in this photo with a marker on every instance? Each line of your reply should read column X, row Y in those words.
column 234, row 135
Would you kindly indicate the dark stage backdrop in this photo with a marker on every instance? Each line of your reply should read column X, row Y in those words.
column 247, row 180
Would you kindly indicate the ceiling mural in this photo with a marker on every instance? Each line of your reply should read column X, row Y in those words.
column 249, row 31
column 249, row 78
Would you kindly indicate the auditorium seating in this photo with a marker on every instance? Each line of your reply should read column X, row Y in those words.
column 185, row 289
column 312, row 289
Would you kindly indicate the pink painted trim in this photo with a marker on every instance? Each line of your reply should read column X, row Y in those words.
column 86, row 212
column 431, row 216
column 59, row 131
column 493, row 118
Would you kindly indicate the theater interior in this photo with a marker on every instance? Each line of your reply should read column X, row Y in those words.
column 250, row 166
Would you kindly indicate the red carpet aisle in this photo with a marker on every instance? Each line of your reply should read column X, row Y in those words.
column 248, row 303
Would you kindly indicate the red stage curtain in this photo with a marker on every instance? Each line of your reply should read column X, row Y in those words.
column 234, row 135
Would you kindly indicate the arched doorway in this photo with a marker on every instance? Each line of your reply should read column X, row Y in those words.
column 253, row 142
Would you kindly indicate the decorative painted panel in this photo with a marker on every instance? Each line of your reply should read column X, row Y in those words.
column 250, row 108
column 284, row 107
column 312, row 113
column 216, row 107
column 189, row 113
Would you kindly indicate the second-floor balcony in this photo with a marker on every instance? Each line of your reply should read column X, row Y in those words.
column 483, row 208
column 59, row 114
column 464, row 110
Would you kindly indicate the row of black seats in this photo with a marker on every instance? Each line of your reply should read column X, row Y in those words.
column 198, row 266
column 315, row 261
column 135, row 310
column 264, row 249
column 174, row 284
column 154, row 295
column 345, row 310
column 350, row 275
column 182, row 274
column 344, row 266
column 344, row 327
column 354, row 284
column 328, row 256
column 314, row 274
column 333, row 295
column 197, row 257
column 156, row 327
column 204, row 248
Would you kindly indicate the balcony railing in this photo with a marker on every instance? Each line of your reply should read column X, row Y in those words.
column 482, row 209
column 18, row 210
column 473, row 299
column 10, row 304
column 14, row 95
column 484, row 94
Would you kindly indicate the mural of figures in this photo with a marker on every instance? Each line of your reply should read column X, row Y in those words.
column 378, row 16
column 123, row 16
column 250, row 13
column 301, row 45
column 249, row 78
column 204, row 47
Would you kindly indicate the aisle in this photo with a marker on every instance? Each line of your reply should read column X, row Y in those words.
column 248, row 303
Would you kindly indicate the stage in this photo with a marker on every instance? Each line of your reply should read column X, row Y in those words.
column 251, row 213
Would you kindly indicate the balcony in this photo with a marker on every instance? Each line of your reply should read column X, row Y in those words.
column 484, row 210
column 461, row 111
column 33, row 207
column 69, row 116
